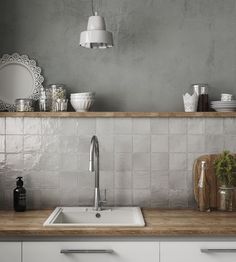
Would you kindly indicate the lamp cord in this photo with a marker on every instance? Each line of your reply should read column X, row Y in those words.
column 92, row 7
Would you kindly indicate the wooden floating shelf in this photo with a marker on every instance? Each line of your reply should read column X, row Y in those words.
column 119, row 114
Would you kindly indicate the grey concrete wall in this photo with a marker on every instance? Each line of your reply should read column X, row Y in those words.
column 161, row 47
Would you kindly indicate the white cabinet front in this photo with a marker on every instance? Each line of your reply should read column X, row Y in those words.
column 10, row 251
column 197, row 251
column 91, row 251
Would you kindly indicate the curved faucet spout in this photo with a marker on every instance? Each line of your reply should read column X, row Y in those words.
column 94, row 158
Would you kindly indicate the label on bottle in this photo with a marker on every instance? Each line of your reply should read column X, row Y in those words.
column 22, row 199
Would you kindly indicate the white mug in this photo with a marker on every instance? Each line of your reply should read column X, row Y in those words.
column 226, row 97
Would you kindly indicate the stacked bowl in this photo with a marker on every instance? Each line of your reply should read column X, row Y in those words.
column 82, row 102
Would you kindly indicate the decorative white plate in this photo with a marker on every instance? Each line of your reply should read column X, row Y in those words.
column 19, row 78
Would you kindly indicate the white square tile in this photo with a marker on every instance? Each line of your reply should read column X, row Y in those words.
column 123, row 125
column 123, row 162
column 123, row 180
column 160, row 198
column 67, row 126
column 14, row 125
column 230, row 143
column 14, row 143
column 66, row 144
column 123, row 197
column 2, row 144
column 2, row 125
column 230, row 126
column 177, row 125
column 123, row 143
column 51, row 144
column 141, row 143
column 141, row 126
column 83, row 162
column 86, row 180
column 141, row 179
column 196, row 126
column 191, row 157
column 159, row 161
column 178, row 161
column 50, row 198
column 141, row 197
column 69, row 197
column 50, row 126
column 69, row 180
column 32, row 161
column 159, row 143
column 141, row 161
column 214, row 126
column 106, row 161
column 107, row 179
column 50, row 162
column 68, row 162
column 32, row 126
column 159, row 180
column 160, row 126
column 83, row 143
column 178, row 143
column 86, row 197
column 196, row 143
column 106, row 143
column 32, row 143
column 86, row 126
column 178, row 180
column 104, row 126
column 214, row 143
column 178, row 198
column 15, row 161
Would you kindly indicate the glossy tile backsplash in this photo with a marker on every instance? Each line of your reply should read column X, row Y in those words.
column 143, row 161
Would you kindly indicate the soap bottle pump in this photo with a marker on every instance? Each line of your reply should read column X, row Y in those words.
column 19, row 196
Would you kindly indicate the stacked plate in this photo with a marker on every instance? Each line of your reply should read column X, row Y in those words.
column 82, row 102
column 224, row 106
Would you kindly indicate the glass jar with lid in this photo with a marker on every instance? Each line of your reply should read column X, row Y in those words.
column 24, row 105
column 54, row 93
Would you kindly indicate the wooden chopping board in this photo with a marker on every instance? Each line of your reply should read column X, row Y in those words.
column 210, row 177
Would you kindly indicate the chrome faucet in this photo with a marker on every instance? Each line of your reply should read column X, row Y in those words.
column 94, row 154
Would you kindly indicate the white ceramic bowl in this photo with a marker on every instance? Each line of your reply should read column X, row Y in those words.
column 82, row 97
column 82, row 105
column 83, row 94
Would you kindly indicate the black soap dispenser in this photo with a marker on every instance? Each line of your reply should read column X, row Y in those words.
column 19, row 196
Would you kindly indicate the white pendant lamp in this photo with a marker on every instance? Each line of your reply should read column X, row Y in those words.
column 96, row 35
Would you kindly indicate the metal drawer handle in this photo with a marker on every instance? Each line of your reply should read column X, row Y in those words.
column 218, row 250
column 87, row 251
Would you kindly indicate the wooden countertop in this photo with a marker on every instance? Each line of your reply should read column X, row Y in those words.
column 119, row 114
column 159, row 223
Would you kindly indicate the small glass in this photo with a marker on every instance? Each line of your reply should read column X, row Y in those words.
column 61, row 105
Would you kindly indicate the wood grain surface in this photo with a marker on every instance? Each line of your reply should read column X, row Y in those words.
column 119, row 114
column 158, row 223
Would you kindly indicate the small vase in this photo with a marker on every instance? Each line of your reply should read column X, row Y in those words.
column 226, row 197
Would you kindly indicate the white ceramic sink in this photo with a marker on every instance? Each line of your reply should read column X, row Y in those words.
column 87, row 216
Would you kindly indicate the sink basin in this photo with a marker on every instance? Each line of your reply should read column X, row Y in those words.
column 88, row 217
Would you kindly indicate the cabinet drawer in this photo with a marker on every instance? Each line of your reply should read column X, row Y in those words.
column 197, row 251
column 10, row 251
column 91, row 251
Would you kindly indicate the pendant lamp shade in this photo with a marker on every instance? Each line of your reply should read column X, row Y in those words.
column 96, row 35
